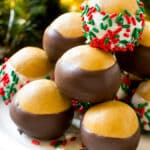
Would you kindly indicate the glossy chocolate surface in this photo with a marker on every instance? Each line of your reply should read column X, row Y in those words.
column 137, row 62
column 41, row 126
column 83, row 85
column 55, row 44
column 96, row 142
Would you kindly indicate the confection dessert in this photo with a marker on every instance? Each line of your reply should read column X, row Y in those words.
column 87, row 74
column 141, row 103
column 113, row 25
column 40, row 111
column 62, row 34
column 110, row 126
column 29, row 63
column 138, row 62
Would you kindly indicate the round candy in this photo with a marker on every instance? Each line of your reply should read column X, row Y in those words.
column 30, row 63
column 110, row 126
column 141, row 103
column 64, row 33
column 40, row 111
column 87, row 74
column 138, row 62
column 113, row 25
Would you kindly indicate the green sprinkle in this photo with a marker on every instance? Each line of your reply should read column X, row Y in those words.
column 135, row 33
column 3, row 98
column 97, row 7
column 91, row 22
column 142, row 105
column 142, row 9
column 58, row 144
column 127, row 12
column 103, row 27
column 117, row 36
column 137, row 43
column 119, row 19
column 95, row 30
column 12, row 73
column 105, row 17
column 47, row 77
column 110, row 22
column 85, row 10
column 106, row 41
column 126, row 26
column 138, row 19
column 123, row 42
column 147, row 115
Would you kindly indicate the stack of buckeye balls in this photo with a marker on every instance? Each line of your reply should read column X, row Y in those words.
column 81, row 48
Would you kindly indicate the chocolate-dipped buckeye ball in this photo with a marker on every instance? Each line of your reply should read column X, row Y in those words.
column 40, row 111
column 87, row 74
column 138, row 62
column 64, row 33
column 141, row 103
column 110, row 126
column 28, row 64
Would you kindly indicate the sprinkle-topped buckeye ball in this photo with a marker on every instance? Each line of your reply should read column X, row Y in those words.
column 64, row 33
column 138, row 62
column 40, row 111
column 141, row 104
column 29, row 63
column 113, row 25
column 110, row 126
column 87, row 74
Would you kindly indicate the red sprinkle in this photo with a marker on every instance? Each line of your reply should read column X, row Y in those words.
column 81, row 7
column 126, row 35
column 5, row 59
column 90, row 17
column 140, row 111
column 72, row 138
column 128, row 30
column 127, row 19
column 86, row 28
column 4, row 66
column 35, row 142
column 145, row 123
column 64, row 143
column 82, row 18
column 103, row 12
column 142, row 18
column 117, row 31
column 21, row 85
column 2, row 91
column 113, row 15
column 53, row 142
column 28, row 81
column 7, row 102
column 126, row 81
column 141, row 4
column 133, row 21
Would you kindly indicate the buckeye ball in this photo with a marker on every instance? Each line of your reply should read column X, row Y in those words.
column 87, row 74
column 110, row 126
column 62, row 34
column 141, row 103
column 40, row 111
column 137, row 62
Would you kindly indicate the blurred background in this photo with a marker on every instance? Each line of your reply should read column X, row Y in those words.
column 22, row 22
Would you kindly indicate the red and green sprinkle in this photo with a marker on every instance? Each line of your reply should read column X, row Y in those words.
column 118, row 39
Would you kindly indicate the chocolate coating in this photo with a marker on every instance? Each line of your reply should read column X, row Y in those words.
column 55, row 44
column 83, row 85
column 137, row 62
column 41, row 126
column 95, row 142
